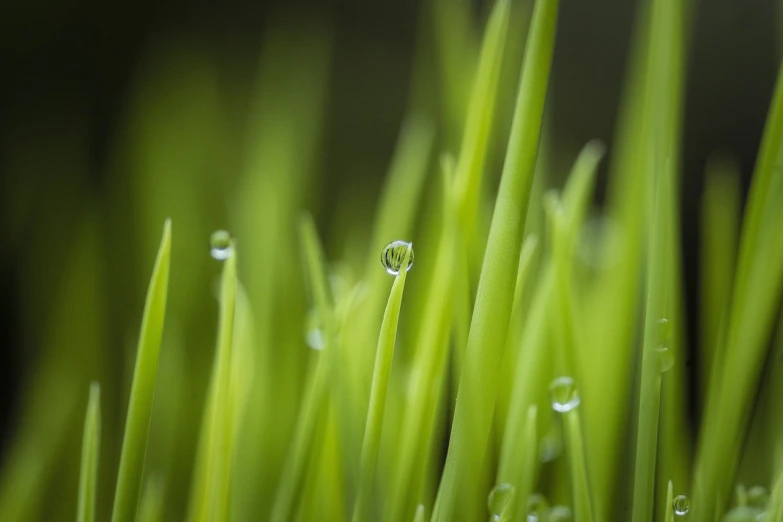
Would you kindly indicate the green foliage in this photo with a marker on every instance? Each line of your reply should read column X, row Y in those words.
column 291, row 415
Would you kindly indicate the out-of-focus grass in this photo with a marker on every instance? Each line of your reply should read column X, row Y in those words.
column 283, row 417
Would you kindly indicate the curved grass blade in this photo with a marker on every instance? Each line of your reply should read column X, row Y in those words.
column 224, row 408
column 489, row 325
column 380, row 385
column 429, row 367
column 91, row 443
column 292, row 481
column 755, row 296
column 134, row 442
column 654, row 339
column 720, row 216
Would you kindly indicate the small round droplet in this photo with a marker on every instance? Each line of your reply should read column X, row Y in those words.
column 537, row 507
column 221, row 245
column 758, row 496
column 393, row 256
column 560, row 514
column 681, row 505
column 500, row 499
column 665, row 358
column 564, row 395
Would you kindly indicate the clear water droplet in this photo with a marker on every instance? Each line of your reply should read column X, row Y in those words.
column 499, row 500
column 314, row 336
column 560, row 514
column 537, row 506
column 681, row 505
column 393, row 255
column 665, row 358
column 664, row 330
column 221, row 245
column 758, row 496
column 564, row 394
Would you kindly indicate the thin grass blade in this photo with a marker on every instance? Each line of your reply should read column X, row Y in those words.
column 489, row 325
column 380, row 383
column 134, row 442
column 91, row 444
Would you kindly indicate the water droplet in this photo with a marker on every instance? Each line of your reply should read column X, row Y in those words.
column 564, row 395
column 314, row 336
column 393, row 255
column 665, row 358
column 221, row 245
column 758, row 496
column 681, row 505
column 560, row 514
column 499, row 500
column 537, row 507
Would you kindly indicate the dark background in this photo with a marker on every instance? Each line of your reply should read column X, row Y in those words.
column 60, row 61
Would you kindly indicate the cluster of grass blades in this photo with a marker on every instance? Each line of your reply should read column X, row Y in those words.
column 534, row 370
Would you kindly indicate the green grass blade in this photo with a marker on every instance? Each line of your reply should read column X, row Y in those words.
column 292, row 480
column 669, row 517
column 224, row 411
column 720, row 215
column 755, row 297
column 429, row 367
column 419, row 516
column 91, row 443
column 575, row 447
column 655, row 338
column 151, row 504
column 527, row 468
column 134, row 442
column 210, row 494
column 486, row 341
column 475, row 139
column 775, row 506
column 380, row 384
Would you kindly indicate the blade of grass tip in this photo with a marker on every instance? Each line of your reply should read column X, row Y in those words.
column 755, row 297
column 475, row 139
column 134, row 442
column 720, row 215
column 91, row 443
column 489, row 325
column 209, row 496
column 380, row 386
column 151, row 504
column 224, row 408
column 654, row 360
column 669, row 517
column 429, row 366
column 291, row 482
column 419, row 516
column 470, row 168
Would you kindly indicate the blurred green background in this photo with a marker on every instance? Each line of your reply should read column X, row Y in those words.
column 115, row 116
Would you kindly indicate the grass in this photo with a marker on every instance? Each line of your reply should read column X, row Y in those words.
column 316, row 395
column 134, row 442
